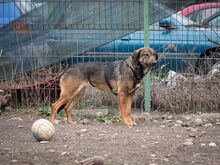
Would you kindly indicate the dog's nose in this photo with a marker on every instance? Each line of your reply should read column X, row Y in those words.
column 154, row 63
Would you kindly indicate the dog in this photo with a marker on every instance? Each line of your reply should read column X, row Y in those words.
column 122, row 78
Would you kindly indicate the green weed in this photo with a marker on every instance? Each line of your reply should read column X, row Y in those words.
column 109, row 117
column 45, row 111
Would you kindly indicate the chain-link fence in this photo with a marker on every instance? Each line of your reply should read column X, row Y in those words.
column 40, row 39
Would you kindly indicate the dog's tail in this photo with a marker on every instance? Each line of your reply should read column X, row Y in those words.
column 61, row 73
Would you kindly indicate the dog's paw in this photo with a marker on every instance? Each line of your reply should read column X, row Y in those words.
column 131, row 122
column 71, row 122
column 56, row 122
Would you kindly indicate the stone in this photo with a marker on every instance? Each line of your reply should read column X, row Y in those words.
column 16, row 118
column 189, row 139
column 43, row 142
column 101, row 135
column 179, row 122
column 20, row 126
column 177, row 125
column 187, row 117
column 90, row 113
column 143, row 146
column 198, row 122
column 63, row 153
column 8, row 108
column 108, row 122
column 66, row 146
column 115, row 135
column 208, row 125
column 192, row 135
column 7, row 149
column 191, row 129
column 153, row 155
column 83, row 130
column 166, row 160
column 14, row 161
column 139, row 118
column 188, row 143
column 98, row 114
column 212, row 145
column 85, row 121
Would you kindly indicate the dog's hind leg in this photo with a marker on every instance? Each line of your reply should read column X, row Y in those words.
column 55, row 107
column 67, row 90
column 74, row 100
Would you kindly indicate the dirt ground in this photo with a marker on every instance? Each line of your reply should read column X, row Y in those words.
column 158, row 139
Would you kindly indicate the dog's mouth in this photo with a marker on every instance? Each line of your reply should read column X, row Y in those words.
column 154, row 63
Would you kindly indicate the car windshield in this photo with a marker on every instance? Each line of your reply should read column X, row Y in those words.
column 181, row 19
column 176, row 19
column 27, row 5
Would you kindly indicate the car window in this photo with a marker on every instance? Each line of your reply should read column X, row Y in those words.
column 191, row 16
column 204, row 14
column 8, row 12
column 215, row 22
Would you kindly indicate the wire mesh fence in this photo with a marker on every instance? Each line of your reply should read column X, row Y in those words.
column 40, row 39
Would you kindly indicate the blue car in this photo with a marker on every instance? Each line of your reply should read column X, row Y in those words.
column 8, row 12
column 179, row 41
column 43, row 33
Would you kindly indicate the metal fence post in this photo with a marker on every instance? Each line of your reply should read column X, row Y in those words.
column 147, row 90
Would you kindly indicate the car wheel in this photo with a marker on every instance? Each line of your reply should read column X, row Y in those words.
column 206, row 62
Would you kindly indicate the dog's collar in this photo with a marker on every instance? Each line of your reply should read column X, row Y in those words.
column 137, row 78
column 133, row 70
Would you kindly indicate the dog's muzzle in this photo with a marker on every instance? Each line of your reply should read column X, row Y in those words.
column 156, row 56
column 154, row 63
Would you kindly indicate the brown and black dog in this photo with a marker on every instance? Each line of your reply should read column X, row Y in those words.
column 120, row 77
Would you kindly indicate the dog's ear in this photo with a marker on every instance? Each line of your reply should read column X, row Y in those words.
column 136, row 54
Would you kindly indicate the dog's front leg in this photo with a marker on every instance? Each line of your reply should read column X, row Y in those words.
column 128, row 110
column 123, row 104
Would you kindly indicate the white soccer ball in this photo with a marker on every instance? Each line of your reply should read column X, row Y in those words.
column 43, row 130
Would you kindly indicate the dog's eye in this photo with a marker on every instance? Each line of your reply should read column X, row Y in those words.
column 146, row 54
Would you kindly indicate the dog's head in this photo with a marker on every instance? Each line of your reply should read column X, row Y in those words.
column 145, row 56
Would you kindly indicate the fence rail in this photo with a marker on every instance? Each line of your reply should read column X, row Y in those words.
column 40, row 39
